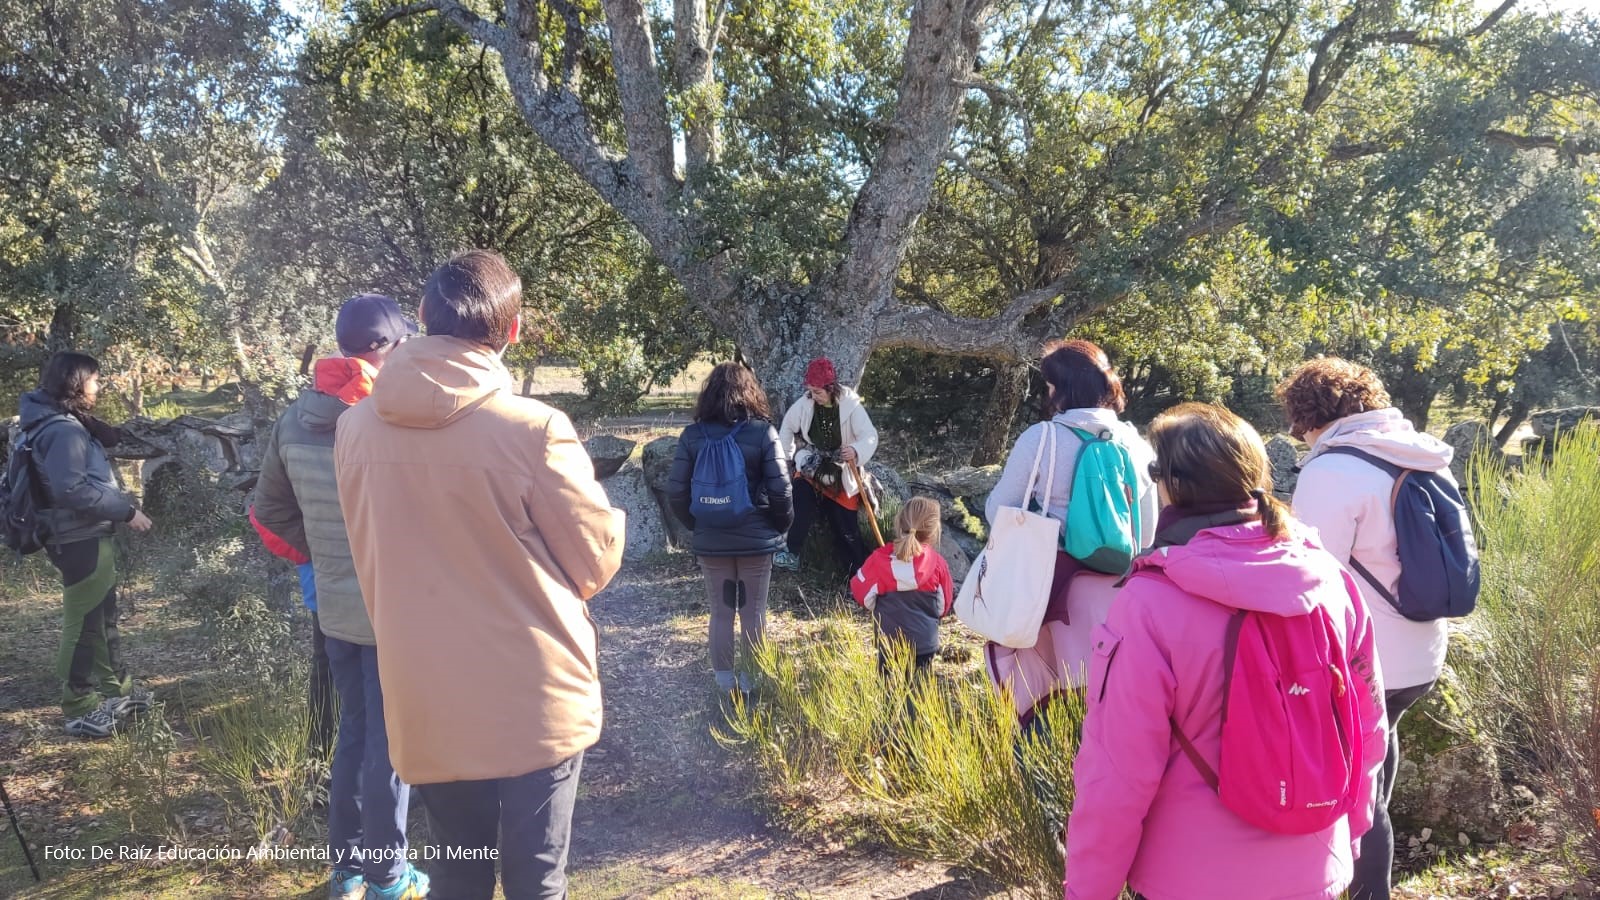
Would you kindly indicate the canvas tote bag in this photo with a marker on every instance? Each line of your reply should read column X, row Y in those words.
column 1005, row 592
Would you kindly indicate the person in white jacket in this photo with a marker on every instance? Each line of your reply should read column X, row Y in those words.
column 828, row 437
column 1330, row 403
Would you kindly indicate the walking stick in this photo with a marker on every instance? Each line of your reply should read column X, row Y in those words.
column 866, row 500
column 17, row 827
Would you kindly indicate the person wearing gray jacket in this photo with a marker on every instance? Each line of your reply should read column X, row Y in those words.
column 81, row 505
column 297, row 513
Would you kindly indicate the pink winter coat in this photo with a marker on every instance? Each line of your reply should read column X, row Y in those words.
column 1142, row 815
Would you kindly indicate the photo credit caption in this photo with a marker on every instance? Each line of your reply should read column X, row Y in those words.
column 318, row 853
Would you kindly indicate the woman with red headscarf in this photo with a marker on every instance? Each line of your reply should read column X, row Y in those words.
column 829, row 437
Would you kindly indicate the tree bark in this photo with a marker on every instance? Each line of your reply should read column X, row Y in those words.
column 1519, row 414
column 1009, row 393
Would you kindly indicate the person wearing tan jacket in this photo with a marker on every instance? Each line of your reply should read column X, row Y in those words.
column 479, row 532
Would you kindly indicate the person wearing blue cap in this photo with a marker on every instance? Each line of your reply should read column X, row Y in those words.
column 297, row 514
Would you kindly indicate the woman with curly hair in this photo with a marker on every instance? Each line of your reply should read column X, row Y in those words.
column 1334, row 403
column 735, row 557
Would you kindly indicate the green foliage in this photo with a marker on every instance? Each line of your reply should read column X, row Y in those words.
column 936, row 763
column 138, row 775
column 259, row 751
column 1538, row 685
column 129, row 133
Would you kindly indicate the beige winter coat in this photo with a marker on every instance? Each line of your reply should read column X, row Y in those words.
column 478, row 531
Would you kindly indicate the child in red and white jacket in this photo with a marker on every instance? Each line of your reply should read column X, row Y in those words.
column 907, row 586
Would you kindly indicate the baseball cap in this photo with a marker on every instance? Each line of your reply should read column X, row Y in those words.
column 369, row 321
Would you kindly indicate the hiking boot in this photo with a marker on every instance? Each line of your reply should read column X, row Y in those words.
column 343, row 885
column 411, row 885
column 786, row 561
column 95, row 724
column 136, row 702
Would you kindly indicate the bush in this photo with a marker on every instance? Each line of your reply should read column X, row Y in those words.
column 1538, row 685
column 937, row 763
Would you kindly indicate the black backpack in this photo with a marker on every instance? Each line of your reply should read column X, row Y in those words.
column 1438, row 557
column 21, row 525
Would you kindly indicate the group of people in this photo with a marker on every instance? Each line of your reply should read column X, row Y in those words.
column 449, row 533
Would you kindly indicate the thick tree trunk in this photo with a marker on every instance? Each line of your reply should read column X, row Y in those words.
column 792, row 326
column 994, row 436
column 1519, row 414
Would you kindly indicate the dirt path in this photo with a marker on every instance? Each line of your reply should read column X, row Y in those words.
column 665, row 809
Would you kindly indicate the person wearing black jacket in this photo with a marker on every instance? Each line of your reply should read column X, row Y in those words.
column 82, row 506
column 736, row 560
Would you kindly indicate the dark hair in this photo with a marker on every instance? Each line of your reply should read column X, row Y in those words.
column 475, row 296
column 65, row 375
column 1206, row 455
column 1328, row 388
column 1082, row 377
column 731, row 393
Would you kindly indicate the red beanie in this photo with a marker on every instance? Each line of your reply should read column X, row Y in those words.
column 820, row 373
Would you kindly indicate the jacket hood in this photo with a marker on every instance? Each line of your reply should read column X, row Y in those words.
column 1097, row 419
column 432, row 381
column 1243, row 567
column 36, row 406
column 339, row 383
column 1387, row 434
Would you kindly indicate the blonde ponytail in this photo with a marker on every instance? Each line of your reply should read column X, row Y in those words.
column 916, row 527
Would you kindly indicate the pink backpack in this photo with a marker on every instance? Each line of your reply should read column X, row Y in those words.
column 1291, row 751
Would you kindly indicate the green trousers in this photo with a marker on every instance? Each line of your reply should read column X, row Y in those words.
column 89, row 663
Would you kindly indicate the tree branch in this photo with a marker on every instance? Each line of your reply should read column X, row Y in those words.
column 644, row 103
column 478, row 28
column 1571, row 148
column 940, row 53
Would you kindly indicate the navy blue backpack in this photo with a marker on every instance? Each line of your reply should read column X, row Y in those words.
column 719, row 493
column 1438, row 557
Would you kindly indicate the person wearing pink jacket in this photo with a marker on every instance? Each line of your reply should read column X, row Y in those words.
column 1143, row 816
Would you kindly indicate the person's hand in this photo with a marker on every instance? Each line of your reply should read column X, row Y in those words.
column 848, row 454
column 140, row 521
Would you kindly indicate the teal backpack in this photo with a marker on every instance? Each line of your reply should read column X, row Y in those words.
column 1102, row 528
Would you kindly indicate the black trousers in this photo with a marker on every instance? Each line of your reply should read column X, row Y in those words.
column 1375, row 868
column 846, row 527
column 529, row 818
column 321, row 700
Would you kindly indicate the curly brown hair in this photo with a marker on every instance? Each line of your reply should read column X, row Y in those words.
column 1326, row 389
column 731, row 394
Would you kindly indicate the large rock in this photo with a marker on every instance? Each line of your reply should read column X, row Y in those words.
column 1283, row 456
column 1467, row 440
column 971, row 481
column 893, row 491
column 956, row 555
column 657, row 461
column 1449, row 774
column 647, row 532
column 1551, row 422
column 608, row 453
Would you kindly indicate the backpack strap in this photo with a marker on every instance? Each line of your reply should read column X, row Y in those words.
column 1230, row 647
column 1399, row 474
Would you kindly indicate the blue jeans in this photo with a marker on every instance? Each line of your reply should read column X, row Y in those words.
column 529, row 817
column 368, row 801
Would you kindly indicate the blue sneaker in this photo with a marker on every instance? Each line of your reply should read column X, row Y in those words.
column 786, row 561
column 343, row 885
column 411, row 885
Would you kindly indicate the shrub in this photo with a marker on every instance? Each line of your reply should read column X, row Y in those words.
column 1538, row 686
column 935, row 764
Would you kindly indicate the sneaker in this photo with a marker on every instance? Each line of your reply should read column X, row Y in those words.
column 411, row 885
column 136, row 702
column 96, row 724
column 344, row 885
column 786, row 561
